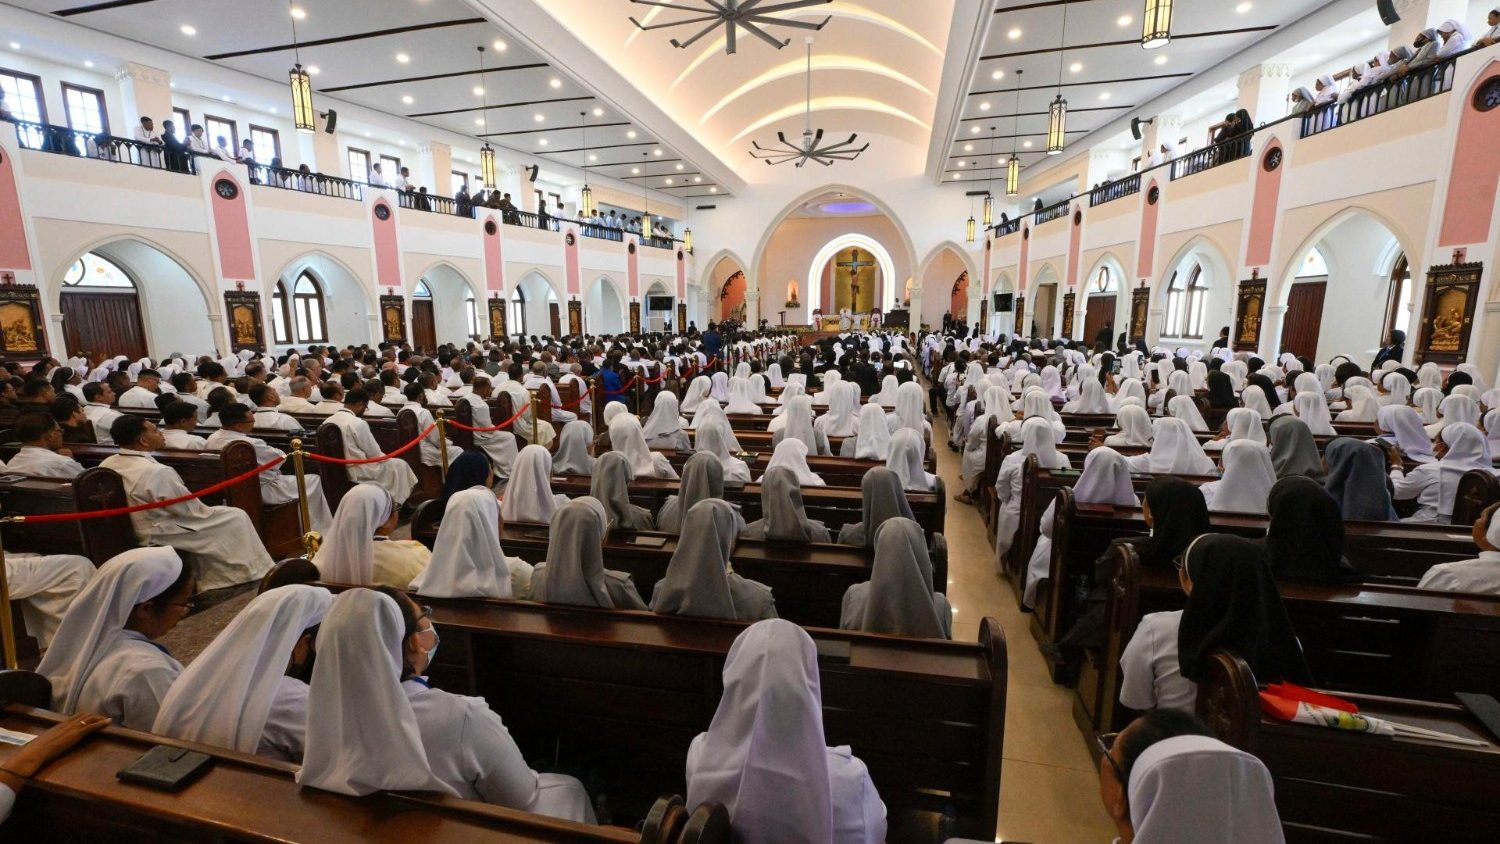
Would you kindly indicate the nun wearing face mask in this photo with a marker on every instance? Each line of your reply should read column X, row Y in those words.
column 1248, row 477
column 699, row 581
column 1174, row 451
column 467, row 561
column 764, row 759
column 702, row 480
column 1038, row 440
column 1105, row 480
column 574, row 572
column 1434, row 485
column 899, row 599
column 247, row 690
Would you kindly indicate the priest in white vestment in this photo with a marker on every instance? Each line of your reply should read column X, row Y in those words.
column 41, row 443
column 99, row 411
column 498, row 446
column 276, row 487
column 519, row 398
column 394, row 475
column 432, row 442
column 221, row 540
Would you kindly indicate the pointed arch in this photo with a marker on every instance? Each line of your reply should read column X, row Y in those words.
column 884, row 296
column 758, row 261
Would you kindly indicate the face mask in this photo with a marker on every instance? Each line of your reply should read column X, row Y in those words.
column 432, row 651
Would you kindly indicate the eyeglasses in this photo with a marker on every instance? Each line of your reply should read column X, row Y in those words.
column 1106, row 742
column 190, row 604
column 1179, row 561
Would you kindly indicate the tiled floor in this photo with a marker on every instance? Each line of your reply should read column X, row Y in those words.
column 1049, row 785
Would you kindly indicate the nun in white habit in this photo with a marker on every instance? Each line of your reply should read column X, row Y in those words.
column 611, row 487
column 1135, row 428
column 1364, row 406
column 1435, row 485
column 873, row 442
column 1184, row 408
column 887, row 395
column 842, row 418
column 1312, row 409
column 798, row 423
column 719, row 387
column 791, row 454
column 710, row 412
column 1402, row 426
column 626, row 439
column 103, row 659
column 764, row 758
column 239, row 693
column 773, row 374
column 1191, row 789
column 573, row 443
column 908, row 412
column 1174, row 451
column 716, row 438
column 1037, row 439
column 574, row 572
column 698, row 390
column 1105, row 480
column 467, row 561
column 740, row 398
column 529, row 496
column 664, row 428
column 350, row 552
column 1241, row 423
column 1091, row 399
column 699, row 581
column 1427, row 400
column 1454, row 409
column 783, row 517
column 702, row 480
column 906, row 460
column 1248, row 477
column 898, row 599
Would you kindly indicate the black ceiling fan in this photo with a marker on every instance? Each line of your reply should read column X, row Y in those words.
column 809, row 149
column 733, row 15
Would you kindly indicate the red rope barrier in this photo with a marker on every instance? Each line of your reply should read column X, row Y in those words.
column 502, row 426
column 655, row 381
column 345, row 461
column 624, row 388
column 152, row 505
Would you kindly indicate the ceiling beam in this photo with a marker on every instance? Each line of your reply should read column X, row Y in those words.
column 1080, row 84
column 1135, row 42
column 344, row 39
column 497, row 105
column 406, row 80
column 98, row 7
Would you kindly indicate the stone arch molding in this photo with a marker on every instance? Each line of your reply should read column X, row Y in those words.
column 291, row 269
column 55, row 282
column 411, row 284
column 752, row 271
column 1282, row 282
column 839, row 244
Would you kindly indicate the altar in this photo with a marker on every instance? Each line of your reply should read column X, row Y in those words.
column 848, row 322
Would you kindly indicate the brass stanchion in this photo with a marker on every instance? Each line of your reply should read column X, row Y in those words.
column 8, row 633
column 442, row 429
column 596, row 395
column 639, row 405
column 532, row 408
column 310, row 538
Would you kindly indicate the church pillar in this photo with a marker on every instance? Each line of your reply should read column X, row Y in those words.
column 1164, row 129
column 1153, row 325
column 1417, row 15
column 322, row 150
column 1270, row 331
column 1263, row 90
column 434, row 164
column 144, row 92
column 752, row 305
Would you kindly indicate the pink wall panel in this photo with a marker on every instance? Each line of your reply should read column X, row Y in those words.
column 570, row 262
column 1022, row 271
column 232, row 232
column 1146, row 245
column 1263, row 212
column 632, row 270
column 1476, row 167
column 13, row 252
column 494, row 263
column 387, row 256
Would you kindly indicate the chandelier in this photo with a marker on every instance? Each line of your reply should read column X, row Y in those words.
column 734, row 15
column 811, row 148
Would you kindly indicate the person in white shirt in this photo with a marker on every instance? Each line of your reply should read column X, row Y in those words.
column 221, row 539
column 538, row 380
column 184, row 385
column 196, row 140
column 499, row 446
column 99, row 411
column 403, row 179
column 377, row 178
column 300, row 399
column 521, row 398
column 143, row 395
column 41, row 452
column 178, row 421
column 276, row 487
column 222, row 150
column 1478, row 576
column 395, row 476
column 146, row 132
column 247, row 153
column 267, row 414
column 432, row 444
column 332, row 398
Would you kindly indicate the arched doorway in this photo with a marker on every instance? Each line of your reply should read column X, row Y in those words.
column 958, row 298
column 656, row 318
column 130, row 298
column 101, row 310
column 535, row 307
column 443, row 307
column 1345, row 291
column 1042, row 309
column 945, row 278
column 423, row 323
column 852, row 272
column 732, row 296
column 1103, row 296
column 318, row 300
column 603, row 308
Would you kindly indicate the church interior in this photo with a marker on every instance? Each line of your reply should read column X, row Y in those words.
column 828, row 421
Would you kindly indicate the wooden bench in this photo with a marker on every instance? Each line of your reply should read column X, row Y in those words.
column 625, row 692
column 95, row 489
column 837, row 471
column 1376, row 639
column 337, row 481
column 1336, row 785
column 279, row 526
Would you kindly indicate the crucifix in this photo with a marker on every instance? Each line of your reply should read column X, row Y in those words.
column 8, row 278
column 854, row 265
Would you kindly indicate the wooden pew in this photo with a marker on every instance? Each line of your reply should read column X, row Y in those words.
column 837, row 471
column 95, row 489
column 1335, row 785
column 1395, row 641
column 246, row 798
column 835, row 506
column 1477, row 490
column 277, row 525
column 625, row 692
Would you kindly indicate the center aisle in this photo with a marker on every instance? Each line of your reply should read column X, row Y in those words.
column 1049, row 784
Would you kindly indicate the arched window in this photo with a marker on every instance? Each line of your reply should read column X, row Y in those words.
column 471, row 310
column 422, row 291
column 1185, row 297
column 308, row 310
column 517, row 312
column 1313, row 265
column 1398, row 304
column 1104, row 282
column 281, row 333
column 97, row 271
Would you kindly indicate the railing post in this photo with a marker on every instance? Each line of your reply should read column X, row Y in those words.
column 532, row 408
column 442, row 430
column 7, row 624
column 310, row 538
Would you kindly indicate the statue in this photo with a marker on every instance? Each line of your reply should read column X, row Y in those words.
column 791, row 295
column 1446, row 330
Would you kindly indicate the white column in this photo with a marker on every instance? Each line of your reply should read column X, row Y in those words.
column 434, row 166
column 1272, row 321
column 144, row 92
column 1263, row 90
column 1417, row 15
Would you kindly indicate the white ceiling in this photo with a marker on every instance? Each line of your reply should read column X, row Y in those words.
column 357, row 61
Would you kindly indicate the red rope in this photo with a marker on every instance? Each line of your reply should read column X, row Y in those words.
column 502, row 426
column 624, row 388
column 152, row 505
column 654, row 381
column 345, row 461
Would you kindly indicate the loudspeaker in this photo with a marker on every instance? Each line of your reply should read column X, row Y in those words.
column 535, row 169
column 1388, row 13
column 333, row 121
column 1135, row 127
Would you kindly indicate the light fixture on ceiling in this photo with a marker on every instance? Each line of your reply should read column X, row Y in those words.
column 809, row 150
column 298, row 13
column 1057, row 113
column 487, row 152
column 303, row 116
column 969, row 225
column 733, row 17
column 188, row 29
column 1013, row 166
column 1156, row 24
column 586, row 200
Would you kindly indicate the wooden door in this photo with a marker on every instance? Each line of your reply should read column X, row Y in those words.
column 1304, row 318
column 1100, row 309
column 423, row 326
column 103, row 322
column 554, row 310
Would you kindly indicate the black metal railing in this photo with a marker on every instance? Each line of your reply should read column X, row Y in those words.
column 419, row 201
column 602, row 232
column 1005, row 227
column 45, row 137
column 1052, row 212
column 305, row 182
column 1118, row 189
column 1392, row 94
column 1210, row 157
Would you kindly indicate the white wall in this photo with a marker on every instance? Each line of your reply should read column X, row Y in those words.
column 603, row 309
column 1358, row 285
column 174, row 313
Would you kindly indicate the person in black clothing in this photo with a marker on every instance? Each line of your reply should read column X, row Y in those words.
column 1223, row 341
column 544, row 220
column 464, row 201
column 1394, row 349
column 176, row 151
column 1102, row 337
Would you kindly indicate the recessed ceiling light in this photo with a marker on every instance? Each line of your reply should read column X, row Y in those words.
column 635, row 171
column 1243, row 8
column 188, row 29
column 593, row 157
column 1104, row 96
column 539, row 117
column 968, row 147
column 973, row 130
column 479, row 121
column 598, row 112
column 1124, row 20
column 1014, row 34
column 367, row 134
column 225, row 98
column 273, row 109
column 999, row 162
column 15, row 45
column 478, row 91
column 697, row 178
column 630, row 134
column 669, row 181
column 1161, row 59
column 407, row 99
column 1026, row 144
column 556, row 83
column 313, row 70
column 172, row 84
column 713, row 190
column 679, row 167
column 1315, row 57
column 656, row 151
column 1075, row 67
column 541, row 142
column 87, row 63
column 999, row 74
column 958, row 175
column 984, row 106
column 403, row 58
column 499, row 46
column 299, row 13
column 963, row 163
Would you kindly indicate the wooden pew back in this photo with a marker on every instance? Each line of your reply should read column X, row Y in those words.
column 97, row 539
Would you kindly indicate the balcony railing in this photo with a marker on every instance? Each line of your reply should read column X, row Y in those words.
column 62, row 140
column 278, row 177
column 1005, row 227
column 418, row 201
column 1053, row 212
column 1118, row 189
column 1212, row 156
column 1392, row 94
